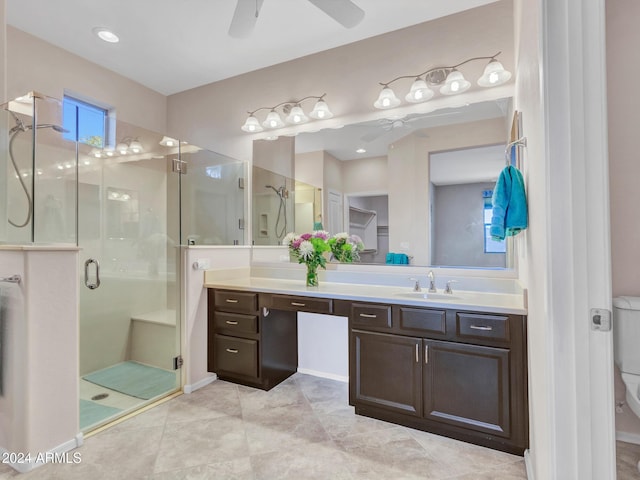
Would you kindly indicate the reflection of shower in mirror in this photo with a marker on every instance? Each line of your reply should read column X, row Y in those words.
column 280, row 227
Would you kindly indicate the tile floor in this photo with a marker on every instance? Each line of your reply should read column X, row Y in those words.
column 302, row 429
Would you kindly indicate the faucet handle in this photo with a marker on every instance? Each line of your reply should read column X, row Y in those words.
column 432, row 282
column 447, row 288
column 416, row 286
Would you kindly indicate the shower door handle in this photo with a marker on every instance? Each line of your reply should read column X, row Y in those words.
column 96, row 284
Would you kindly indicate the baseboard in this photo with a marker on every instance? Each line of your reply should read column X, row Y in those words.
column 24, row 463
column 528, row 465
column 330, row 376
column 199, row 384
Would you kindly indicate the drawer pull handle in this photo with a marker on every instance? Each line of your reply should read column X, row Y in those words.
column 231, row 300
column 231, row 322
column 417, row 353
column 298, row 304
column 232, row 350
column 481, row 327
column 368, row 315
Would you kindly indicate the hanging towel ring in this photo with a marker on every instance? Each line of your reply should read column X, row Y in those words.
column 521, row 142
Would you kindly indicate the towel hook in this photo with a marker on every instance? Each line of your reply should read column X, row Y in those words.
column 521, row 142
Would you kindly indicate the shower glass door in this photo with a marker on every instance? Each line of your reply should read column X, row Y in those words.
column 128, row 230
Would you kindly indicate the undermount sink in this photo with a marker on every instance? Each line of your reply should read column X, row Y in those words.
column 427, row 296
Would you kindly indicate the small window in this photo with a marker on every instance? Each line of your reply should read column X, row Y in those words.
column 490, row 245
column 85, row 123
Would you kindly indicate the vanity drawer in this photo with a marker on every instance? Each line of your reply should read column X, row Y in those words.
column 235, row 322
column 476, row 325
column 302, row 304
column 236, row 355
column 422, row 320
column 365, row 315
column 230, row 301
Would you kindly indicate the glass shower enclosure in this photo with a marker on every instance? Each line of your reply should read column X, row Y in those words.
column 124, row 199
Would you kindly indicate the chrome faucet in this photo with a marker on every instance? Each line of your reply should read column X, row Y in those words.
column 448, row 288
column 432, row 282
column 416, row 286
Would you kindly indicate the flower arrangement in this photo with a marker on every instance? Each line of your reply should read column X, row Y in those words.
column 346, row 248
column 309, row 249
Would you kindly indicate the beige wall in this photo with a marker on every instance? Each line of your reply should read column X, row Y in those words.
column 309, row 168
column 623, row 65
column 34, row 65
column 532, row 245
column 408, row 177
column 365, row 175
column 211, row 115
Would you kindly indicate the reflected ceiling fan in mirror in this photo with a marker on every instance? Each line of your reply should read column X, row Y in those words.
column 406, row 124
column 246, row 14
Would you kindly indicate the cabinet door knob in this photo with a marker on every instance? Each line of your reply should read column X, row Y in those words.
column 232, row 350
column 298, row 304
column 368, row 315
column 481, row 327
column 231, row 322
column 231, row 300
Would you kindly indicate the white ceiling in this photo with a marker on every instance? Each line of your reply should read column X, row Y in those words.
column 175, row 45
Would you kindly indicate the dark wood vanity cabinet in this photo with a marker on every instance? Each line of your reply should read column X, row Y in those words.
column 249, row 345
column 460, row 374
column 388, row 372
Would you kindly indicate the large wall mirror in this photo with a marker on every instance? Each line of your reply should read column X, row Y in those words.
column 415, row 189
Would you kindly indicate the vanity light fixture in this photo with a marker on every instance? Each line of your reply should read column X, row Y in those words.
column 168, row 142
column 294, row 115
column 129, row 145
column 122, row 148
column 449, row 80
column 135, row 146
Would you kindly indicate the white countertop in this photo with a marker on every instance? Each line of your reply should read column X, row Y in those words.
column 513, row 303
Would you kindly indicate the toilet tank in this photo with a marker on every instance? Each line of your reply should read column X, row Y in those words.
column 626, row 334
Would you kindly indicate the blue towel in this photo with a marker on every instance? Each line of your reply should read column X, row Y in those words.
column 509, row 205
column 397, row 258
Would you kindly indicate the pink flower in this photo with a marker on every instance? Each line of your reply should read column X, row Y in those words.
column 305, row 236
column 321, row 234
column 296, row 243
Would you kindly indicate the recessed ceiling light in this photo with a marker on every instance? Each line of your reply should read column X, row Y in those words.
column 361, row 150
column 106, row 35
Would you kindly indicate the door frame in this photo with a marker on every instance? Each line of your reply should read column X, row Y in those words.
column 573, row 76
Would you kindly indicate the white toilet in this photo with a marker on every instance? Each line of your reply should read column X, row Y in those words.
column 626, row 327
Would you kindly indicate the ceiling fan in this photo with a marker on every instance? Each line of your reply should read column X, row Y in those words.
column 386, row 125
column 345, row 12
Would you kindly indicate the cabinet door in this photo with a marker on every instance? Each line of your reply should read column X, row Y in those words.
column 387, row 371
column 468, row 386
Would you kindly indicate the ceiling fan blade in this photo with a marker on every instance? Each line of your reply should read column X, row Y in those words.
column 345, row 12
column 244, row 18
column 371, row 136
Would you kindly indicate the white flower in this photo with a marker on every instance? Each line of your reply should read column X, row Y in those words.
column 306, row 249
column 288, row 238
column 341, row 236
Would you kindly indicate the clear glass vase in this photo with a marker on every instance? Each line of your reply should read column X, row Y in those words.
column 312, row 275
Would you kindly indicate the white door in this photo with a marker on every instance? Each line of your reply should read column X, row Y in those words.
column 336, row 222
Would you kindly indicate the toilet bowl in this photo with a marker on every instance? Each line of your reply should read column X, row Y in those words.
column 632, row 394
column 626, row 326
